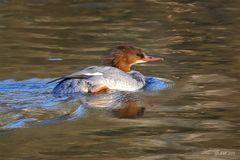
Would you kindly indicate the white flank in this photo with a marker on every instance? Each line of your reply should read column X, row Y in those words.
column 94, row 74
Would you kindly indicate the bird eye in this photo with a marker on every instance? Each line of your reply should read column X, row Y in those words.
column 140, row 55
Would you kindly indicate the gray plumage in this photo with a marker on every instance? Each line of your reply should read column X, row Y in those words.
column 95, row 76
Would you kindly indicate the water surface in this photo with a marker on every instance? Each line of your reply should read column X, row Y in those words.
column 196, row 119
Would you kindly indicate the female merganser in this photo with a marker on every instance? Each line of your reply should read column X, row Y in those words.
column 118, row 76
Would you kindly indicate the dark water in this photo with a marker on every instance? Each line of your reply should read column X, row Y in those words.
column 196, row 119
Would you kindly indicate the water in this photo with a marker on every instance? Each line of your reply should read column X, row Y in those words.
column 196, row 119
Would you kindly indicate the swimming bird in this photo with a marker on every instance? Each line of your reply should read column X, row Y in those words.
column 117, row 76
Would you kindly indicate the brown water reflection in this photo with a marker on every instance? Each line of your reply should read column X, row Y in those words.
column 197, row 119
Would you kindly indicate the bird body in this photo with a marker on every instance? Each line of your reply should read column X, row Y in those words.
column 118, row 76
column 94, row 77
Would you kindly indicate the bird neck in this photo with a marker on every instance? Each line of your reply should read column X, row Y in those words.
column 122, row 65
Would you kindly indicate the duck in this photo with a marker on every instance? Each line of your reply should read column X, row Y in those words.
column 118, row 75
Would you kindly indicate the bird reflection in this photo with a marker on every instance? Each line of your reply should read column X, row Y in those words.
column 130, row 110
column 122, row 104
